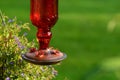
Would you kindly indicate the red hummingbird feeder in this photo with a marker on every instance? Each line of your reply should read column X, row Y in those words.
column 44, row 15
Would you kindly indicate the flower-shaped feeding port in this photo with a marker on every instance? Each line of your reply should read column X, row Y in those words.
column 44, row 14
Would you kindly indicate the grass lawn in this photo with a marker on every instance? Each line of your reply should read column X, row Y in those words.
column 88, row 31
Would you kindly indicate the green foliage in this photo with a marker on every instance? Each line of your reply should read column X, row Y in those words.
column 12, row 45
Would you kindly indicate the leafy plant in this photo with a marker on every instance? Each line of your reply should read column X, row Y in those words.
column 12, row 45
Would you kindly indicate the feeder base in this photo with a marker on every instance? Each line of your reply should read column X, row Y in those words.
column 47, row 58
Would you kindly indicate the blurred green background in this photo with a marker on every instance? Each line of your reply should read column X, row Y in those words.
column 88, row 31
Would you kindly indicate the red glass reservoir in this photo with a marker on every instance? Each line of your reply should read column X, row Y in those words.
column 44, row 14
